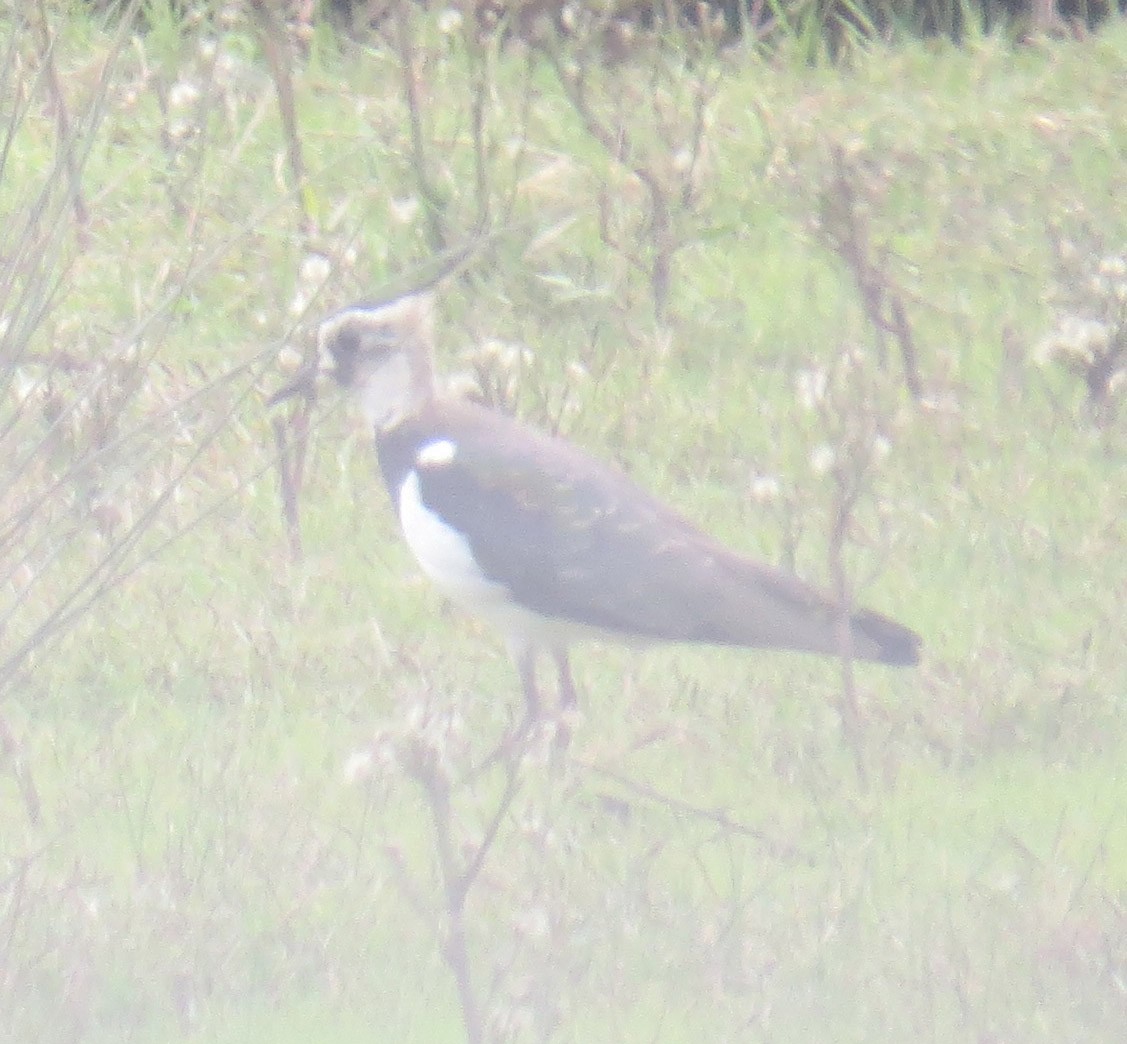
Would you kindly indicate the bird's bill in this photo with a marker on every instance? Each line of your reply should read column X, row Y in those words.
column 304, row 383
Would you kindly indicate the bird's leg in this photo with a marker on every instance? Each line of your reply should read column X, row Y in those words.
column 526, row 667
column 513, row 743
column 568, row 700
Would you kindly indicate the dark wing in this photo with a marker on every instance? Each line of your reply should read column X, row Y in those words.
column 574, row 538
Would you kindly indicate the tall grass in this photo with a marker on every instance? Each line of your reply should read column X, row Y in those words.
column 830, row 314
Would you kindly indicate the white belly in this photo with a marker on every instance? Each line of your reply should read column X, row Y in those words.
column 447, row 559
column 444, row 553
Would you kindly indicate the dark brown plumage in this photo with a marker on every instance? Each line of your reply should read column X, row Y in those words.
column 553, row 544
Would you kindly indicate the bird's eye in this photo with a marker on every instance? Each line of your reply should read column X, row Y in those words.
column 344, row 349
column 346, row 345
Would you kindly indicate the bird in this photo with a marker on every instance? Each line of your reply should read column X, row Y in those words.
column 548, row 542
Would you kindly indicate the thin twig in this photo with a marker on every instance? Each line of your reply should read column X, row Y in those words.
column 616, row 142
column 274, row 47
column 63, row 134
column 882, row 300
column 455, row 949
column 13, row 751
column 512, row 785
column 847, row 490
column 291, row 472
column 458, row 878
column 435, row 205
column 778, row 849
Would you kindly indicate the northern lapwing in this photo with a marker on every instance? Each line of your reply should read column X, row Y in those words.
column 551, row 544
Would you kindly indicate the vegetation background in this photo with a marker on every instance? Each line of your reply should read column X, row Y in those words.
column 867, row 318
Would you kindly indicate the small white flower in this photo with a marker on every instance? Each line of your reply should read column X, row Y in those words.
column 765, row 488
column 289, row 359
column 449, row 21
column 822, row 459
column 315, row 269
column 404, row 210
column 182, row 94
column 178, row 130
column 1044, row 350
column 1086, row 336
column 299, row 303
column 462, row 385
column 534, row 923
column 626, row 32
column 226, row 65
column 881, row 447
column 504, row 354
column 1114, row 266
column 415, row 718
column 810, row 387
column 23, row 386
column 357, row 766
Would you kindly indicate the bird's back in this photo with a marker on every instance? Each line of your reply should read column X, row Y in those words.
column 575, row 539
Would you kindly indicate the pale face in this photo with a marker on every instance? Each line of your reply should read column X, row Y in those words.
column 377, row 354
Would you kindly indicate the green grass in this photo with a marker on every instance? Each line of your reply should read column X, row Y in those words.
column 228, row 848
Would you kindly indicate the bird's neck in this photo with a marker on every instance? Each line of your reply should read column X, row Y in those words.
column 399, row 389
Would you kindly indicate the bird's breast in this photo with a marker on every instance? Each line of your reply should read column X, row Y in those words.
column 443, row 552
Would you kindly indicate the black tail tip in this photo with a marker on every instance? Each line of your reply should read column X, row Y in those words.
column 891, row 643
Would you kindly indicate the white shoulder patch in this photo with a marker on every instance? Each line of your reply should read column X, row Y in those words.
column 437, row 453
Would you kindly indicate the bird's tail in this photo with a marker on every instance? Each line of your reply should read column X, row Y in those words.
column 877, row 638
column 768, row 607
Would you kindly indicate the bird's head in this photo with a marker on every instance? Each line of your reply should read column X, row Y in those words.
column 381, row 353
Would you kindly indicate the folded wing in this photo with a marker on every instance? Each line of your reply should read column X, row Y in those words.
column 573, row 538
